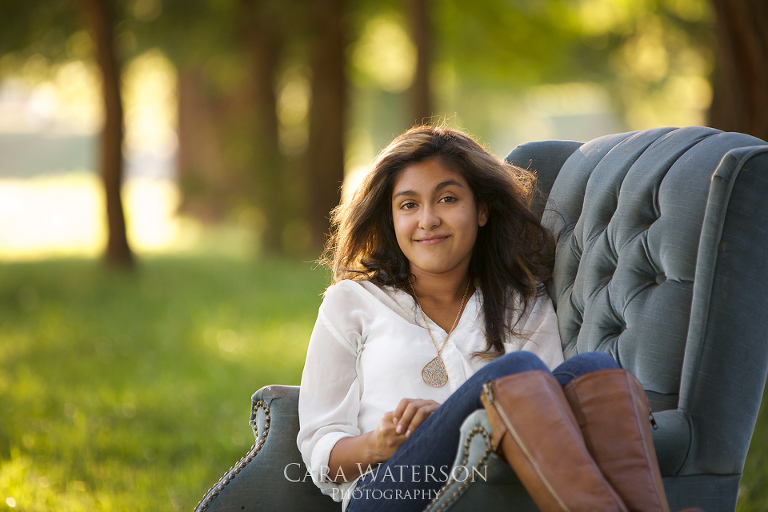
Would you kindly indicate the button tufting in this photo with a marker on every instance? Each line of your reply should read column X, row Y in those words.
column 660, row 278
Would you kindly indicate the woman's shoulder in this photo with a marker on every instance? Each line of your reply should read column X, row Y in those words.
column 364, row 294
column 348, row 287
column 359, row 287
column 536, row 310
column 532, row 306
column 518, row 297
column 342, row 293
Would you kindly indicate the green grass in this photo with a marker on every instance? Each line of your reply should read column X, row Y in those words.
column 753, row 490
column 132, row 391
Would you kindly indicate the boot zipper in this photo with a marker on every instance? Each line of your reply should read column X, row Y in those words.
column 489, row 395
column 488, row 391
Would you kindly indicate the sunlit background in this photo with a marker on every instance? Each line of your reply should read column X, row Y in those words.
column 51, row 199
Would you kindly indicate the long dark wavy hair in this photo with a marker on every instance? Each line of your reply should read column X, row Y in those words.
column 512, row 253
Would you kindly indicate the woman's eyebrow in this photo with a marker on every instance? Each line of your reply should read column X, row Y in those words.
column 439, row 187
column 448, row 183
column 409, row 193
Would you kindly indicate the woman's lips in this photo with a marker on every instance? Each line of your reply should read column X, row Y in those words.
column 432, row 240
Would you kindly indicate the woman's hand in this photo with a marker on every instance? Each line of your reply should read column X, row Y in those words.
column 351, row 455
column 386, row 440
column 396, row 426
column 410, row 413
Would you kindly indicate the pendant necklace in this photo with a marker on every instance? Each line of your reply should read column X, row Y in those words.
column 434, row 373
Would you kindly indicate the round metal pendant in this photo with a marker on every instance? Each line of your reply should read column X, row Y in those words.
column 434, row 373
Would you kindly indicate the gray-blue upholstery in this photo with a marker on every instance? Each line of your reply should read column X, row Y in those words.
column 661, row 262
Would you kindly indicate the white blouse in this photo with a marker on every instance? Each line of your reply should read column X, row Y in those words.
column 366, row 353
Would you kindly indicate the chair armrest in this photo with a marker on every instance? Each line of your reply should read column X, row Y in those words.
column 672, row 440
column 272, row 475
column 479, row 480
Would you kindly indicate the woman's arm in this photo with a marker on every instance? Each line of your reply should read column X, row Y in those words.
column 329, row 397
column 353, row 456
column 331, row 442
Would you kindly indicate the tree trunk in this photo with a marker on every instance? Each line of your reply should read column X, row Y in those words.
column 421, row 91
column 327, row 115
column 200, row 160
column 100, row 20
column 740, row 101
column 263, row 43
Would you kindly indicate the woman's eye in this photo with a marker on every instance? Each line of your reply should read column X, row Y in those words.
column 447, row 199
column 408, row 206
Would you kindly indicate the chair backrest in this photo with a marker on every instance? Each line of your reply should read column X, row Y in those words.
column 662, row 258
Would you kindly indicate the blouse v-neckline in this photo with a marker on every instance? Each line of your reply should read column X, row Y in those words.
column 404, row 305
column 471, row 300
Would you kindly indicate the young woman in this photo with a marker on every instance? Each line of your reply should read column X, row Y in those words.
column 439, row 271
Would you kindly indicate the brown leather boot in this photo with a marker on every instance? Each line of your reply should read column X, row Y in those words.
column 536, row 431
column 614, row 416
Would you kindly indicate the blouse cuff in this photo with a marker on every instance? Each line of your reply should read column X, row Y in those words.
column 320, row 470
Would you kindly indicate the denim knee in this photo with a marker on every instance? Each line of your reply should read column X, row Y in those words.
column 583, row 364
column 513, row 362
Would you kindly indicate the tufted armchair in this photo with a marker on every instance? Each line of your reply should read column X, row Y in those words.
column 661, row 262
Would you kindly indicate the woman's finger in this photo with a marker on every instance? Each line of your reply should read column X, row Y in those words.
column 386, row 439
column 421, row 415
column 413, row 409
column 400, row 409
column 404, row 413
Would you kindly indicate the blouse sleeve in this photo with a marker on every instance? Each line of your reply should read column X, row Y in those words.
column 542, row 336
column 329, row 398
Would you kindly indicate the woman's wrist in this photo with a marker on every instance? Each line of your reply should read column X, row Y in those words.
column 352, row 456
column 373, row 454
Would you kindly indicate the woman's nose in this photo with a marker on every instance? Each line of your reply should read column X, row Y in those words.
column 428, row 218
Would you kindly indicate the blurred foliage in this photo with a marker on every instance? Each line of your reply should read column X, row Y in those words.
column 41, row 27
column 508, row 44
column 651, row 59
column 636, row 48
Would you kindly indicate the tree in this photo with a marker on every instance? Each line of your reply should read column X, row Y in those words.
column 421, row 32
column 230, row 160
column 210, row 87
column 44, row 27
column 263, row 39
column 200, row 163
column 740, row 100
column 325, row 154
column 100, row 19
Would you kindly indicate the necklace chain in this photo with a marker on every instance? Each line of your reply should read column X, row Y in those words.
column 455, row 321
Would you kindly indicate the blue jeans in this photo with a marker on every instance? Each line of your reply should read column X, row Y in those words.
column 413, row 475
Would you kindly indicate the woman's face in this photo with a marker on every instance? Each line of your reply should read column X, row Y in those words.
column 436, row 218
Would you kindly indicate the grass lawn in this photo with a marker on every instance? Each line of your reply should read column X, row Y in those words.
column 132, row 391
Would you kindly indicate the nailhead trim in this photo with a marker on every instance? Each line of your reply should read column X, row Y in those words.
column 237, row 468
column 463, row 485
